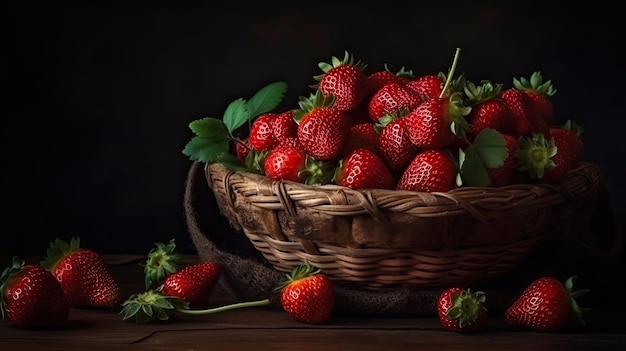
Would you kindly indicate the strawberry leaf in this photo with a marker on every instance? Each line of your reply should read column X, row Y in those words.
column 267, row 98
column 236, row 114
column 472, row 169
column 209, row 127
column 205, row 149
column 490, row 146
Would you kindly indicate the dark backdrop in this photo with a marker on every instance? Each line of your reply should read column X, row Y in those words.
column 97, row 98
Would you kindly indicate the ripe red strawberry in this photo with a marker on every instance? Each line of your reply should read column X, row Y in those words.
column 462, row 311
column 396, row 147
column 242, row 148
column 489, row 110
column 285, row 162
column 539, row 93
column 83, row 274
column 193, row 284
column 31, row 297
column 261, row 136
column 437, row 122
column 569, row 136
column 427, row 86
column 363, row 169
column 546, row 305
column 431, row 170
column 322, row 129
column 383, row 77
column 362, row 136
column 284, row 126
column 502, row 175
column 345, row 80
column 527, row 120
column 390, row 99
column 307, row 295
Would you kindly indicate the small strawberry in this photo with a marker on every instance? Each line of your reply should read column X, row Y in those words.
column 489, row 110
column 362, row 136
column 307, row 295
column 363, row 169
column 390, row 99
column 345, row 80
column 546, row 305
column 322, row 129
column 437, row 122
column 83, row 274
column 261, row 136
column 383, row 77
column 539, row 93
column 193, row 284
column 431, row 170
column 427, row 86
column 31, row 297
column 289, row 161
column 396, row 147
column 462, row 311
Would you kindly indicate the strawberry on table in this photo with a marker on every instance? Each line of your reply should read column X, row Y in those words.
column 31, row 297
column 307, row 295
column 83, row 274
column 461, row 310
column 546, row 305
column 193, row 284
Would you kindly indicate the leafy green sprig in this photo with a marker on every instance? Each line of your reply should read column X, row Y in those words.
column 214, row 137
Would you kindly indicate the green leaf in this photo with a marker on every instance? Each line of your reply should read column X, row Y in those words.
column 206, row 150
column 210, row 128
column 267, row 98
column 473, row 172
column 490, row 146
column 236, row 114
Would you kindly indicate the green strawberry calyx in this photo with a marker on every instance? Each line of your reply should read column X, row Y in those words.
column 467, row 307
column 535, row 154
column 535, row 84
column 213, row 136
column 348, row 59
column 162, row 260
column 576, row 311
column 5, row 280
column 59, row 249
column 299, row 272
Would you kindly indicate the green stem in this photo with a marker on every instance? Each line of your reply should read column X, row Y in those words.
column 451, row 72
column 233, row 306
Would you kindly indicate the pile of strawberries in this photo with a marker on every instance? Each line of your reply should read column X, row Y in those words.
column 400, row 131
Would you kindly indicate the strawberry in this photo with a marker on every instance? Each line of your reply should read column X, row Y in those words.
column 363, row 169
column 193, row 284
column 437, row 122
column 383, row 77
column 427, row 86
column 345, row 80
column 289, row 161
column 322, row 129
column 242, row 148
column 307, row 295
column 284, row 126
column 83, row 274
column 527, row 121
column 390, row 99
column 546, row 305
column 396, row 147
column 261, row 136
column 31, row 297
column 570, row 136
column 539, row 93
column 489, row 110
column 431, row 170
column 362, row 136
column 462, row 311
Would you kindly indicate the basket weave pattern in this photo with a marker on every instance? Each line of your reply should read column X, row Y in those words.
column 385, row 238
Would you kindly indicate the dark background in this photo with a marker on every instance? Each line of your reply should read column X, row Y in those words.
column 97, row 98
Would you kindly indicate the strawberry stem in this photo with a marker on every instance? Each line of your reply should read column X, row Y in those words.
column 450, row 72
column 233, row 306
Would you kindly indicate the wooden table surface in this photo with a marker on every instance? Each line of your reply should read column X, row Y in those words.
column 263, row 328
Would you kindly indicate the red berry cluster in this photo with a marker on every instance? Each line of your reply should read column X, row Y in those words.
column 400, row 131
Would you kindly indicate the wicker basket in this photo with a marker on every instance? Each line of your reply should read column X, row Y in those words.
column 389, row 238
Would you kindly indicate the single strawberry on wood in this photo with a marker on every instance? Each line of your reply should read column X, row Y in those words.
column 31, row 297
column 546, row 305
column 83, row 274
column 193, row 284
column 307, row 295
column 462, row 311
